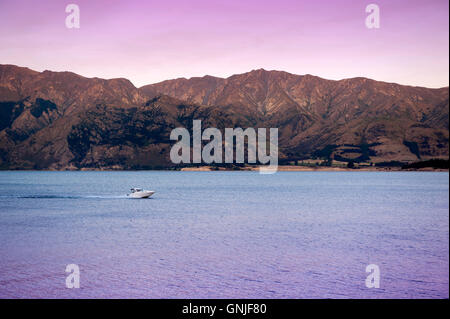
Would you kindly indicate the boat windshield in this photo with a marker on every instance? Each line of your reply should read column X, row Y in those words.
column 136, row 190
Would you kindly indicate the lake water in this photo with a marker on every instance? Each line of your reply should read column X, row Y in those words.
column 224, row 234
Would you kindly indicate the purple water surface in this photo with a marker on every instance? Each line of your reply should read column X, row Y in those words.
column 224, row 234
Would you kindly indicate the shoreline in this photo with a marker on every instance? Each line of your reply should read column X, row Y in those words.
column 281, row 168
column 298, row 168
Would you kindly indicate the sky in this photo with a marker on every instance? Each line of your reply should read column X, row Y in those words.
column 154, row 40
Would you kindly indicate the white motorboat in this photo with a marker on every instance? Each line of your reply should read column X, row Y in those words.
column 140, row 193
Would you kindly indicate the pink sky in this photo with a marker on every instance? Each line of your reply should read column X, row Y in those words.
column 154, row 40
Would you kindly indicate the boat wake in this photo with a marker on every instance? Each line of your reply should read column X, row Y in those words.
column 67, row 197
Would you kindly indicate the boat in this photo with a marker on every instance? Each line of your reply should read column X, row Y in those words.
column 140, row 193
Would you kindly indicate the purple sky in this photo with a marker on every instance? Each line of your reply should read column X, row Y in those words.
column 155, row 40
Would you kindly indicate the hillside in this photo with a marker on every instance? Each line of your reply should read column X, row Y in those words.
column 61, row 120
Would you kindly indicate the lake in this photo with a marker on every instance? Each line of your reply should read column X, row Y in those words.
column 224, row 234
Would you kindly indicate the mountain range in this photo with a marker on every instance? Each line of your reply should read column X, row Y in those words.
column 61, row 120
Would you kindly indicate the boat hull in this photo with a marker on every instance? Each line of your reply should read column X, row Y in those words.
column 143, row 194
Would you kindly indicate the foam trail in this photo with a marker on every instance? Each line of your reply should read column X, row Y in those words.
column 67, row 197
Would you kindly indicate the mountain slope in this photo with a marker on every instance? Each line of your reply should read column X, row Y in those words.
column 314, row 113
column 61, row 120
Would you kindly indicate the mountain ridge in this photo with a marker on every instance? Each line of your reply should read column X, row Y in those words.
column 60, row 120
